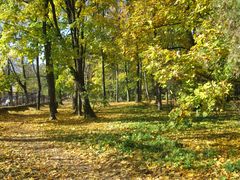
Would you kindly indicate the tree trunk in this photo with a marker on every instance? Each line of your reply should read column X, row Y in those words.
column 78, row 47
column 25, row 81
column 113, row 83
column 79, row 104
column 167, row 96
column 88, row 111
column 10, row 96
column 49, row 66
column 10, row 92
column 85, row 103
column 159, row 96
column 103, row 77
column 146, row 86
column 50, row 81
column 23, row 85
column 39, row 84
column 139, row 82
column 77, row 101
column 37, row 73
column 153, row 89
column 127, row 82
column 116, row 85
column 26, row 94
column 74, row 98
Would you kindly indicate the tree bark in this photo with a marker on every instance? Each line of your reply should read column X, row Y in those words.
column 139, row 82
column 79, row 106
column 167, row 96
column 10, row 92
column 39, row 83
column 49, row 66
column 103, row 77
column 159, row 96
column 78, row 47
column 127, row 82
column 25, row 81
column 116, row 85
column 23, row 85
column 77, row 101
column 146, row 86
column 88, row 111
column 153, row 88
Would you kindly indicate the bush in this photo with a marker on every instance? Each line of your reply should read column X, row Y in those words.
column 205, row 99
column 232, row 167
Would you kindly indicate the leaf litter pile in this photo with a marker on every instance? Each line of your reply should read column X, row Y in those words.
column 127, row 140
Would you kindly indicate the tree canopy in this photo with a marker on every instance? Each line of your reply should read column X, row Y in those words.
column 124, row 50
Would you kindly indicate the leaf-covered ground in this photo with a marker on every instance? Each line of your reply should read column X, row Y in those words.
column 127, row 140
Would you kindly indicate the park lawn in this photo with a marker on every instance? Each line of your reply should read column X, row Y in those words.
column 127, row 140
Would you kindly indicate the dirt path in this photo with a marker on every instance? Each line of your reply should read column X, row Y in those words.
column 28, row 151
column 32, row 158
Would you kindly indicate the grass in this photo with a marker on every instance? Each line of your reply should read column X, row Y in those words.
column 127, row 140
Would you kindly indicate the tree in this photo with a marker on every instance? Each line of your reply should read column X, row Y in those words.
column 38, row 76
column 22, row 84
column 49, row 63
column 77, row 23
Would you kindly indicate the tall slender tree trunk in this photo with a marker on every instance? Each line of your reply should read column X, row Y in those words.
column 153, row 88
column 127, row 82
column 10, row 95
column 50, row 81
column 167, row 96
column 26, row 95
column 116, row 85
column 79, row 102
column 39, row 83
column 146, row 86
column 49, row 66
column 25, row 81
column 103, row 68
column 103, row 77
column 113, row 83
column 74, row 98
column 10, row 92
column 159, row 96
column 88, row 111
column 139, row 82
